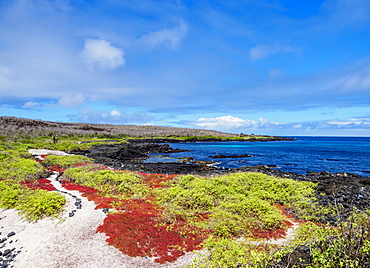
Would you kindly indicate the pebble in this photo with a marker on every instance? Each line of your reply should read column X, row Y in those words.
column 8, row 255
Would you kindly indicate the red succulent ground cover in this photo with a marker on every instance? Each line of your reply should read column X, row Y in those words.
column 40, row 184
column 137, row 233
column 56, row 169
column 82, row 189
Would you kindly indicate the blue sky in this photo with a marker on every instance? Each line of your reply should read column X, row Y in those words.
column 276, row 67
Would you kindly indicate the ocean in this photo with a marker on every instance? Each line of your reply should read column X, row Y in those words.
column 332, row 154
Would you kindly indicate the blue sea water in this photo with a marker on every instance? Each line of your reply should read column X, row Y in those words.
column 333, row 154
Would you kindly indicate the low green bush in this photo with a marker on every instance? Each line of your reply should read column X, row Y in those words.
column 222, row 252
column 39, row 203
column 10, row 191
column 109, row 182
column 234, row 203
column 31, row 204
column 65, row 161
column 21, row 169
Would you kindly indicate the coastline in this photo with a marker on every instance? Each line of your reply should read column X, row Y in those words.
column 336, row 189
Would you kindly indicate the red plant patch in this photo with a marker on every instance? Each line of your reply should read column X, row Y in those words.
column 139, row 234
column 73, row 186
column 40, row 184
column 56, row 168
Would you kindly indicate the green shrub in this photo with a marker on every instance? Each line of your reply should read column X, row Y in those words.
column 65, row 161
column 32, row 204
column 230, row 253
column 21, row 169
column 36, row 204
column 234, row 203
column 109, row 182
column 10, row 190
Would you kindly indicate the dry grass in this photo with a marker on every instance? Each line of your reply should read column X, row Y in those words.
column 11, row 126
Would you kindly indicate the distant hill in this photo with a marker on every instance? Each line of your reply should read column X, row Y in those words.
column 10, row 126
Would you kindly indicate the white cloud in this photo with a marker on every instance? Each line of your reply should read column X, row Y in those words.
column 30, row 105
column 170, row 38
column 102, row 54
column 115, row 112
column 353, row 122
column 71, row 101
column 236, row 125
column 229, row 122
column 263, row 51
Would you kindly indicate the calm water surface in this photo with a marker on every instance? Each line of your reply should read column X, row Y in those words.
column 333, row 154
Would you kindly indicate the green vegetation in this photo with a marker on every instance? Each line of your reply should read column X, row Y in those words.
column 110, row 183
column 20, row 169
column 32, row 204
column 236, row 203
column 65, row 161
column 224, row 252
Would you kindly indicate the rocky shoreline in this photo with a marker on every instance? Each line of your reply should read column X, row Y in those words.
column 345, row 191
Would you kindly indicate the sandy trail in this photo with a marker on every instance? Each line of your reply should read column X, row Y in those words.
column 69, row 241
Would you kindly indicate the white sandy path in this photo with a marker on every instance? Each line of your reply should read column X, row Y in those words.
column 70, row 241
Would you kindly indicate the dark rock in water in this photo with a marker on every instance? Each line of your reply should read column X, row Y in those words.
column 271, row 166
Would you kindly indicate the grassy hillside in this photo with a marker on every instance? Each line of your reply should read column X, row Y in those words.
column 10, row 126
column 14, row 125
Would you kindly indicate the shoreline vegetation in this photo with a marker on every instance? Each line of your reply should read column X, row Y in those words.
column 233, row 218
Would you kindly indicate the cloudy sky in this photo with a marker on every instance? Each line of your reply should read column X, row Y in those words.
column 277, row 67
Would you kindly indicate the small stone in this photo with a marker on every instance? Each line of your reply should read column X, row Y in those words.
column 11, row 234
column 5, row 264
column 6, row 252
column 105, row 210
column 71, row 214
